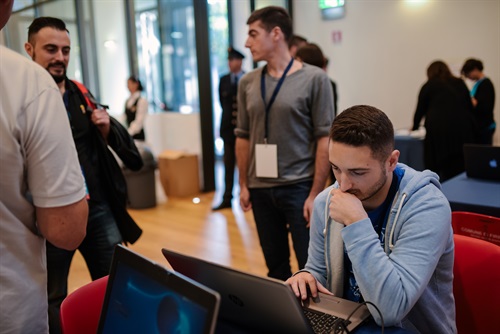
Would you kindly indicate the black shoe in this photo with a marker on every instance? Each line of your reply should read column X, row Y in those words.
column 223, row 205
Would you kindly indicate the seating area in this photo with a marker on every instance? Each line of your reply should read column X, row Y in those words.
column 477, row 226
column 476, row 285
column 80, row 311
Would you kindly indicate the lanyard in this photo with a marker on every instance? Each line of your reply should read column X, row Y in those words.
column 275, row 93
column 474, row 89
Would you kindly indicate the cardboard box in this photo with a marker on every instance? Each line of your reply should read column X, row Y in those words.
column 179, row 174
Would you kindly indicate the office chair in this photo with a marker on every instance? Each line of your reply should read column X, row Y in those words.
column 476, row 285
column 476, row 225
column 80, row 310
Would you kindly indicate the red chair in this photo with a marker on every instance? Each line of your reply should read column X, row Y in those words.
column 80, row 310
column 476, row 225
column 476, row 285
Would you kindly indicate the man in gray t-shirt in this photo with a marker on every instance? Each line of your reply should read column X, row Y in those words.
column 285, row 110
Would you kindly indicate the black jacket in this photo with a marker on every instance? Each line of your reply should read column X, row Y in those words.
column 110, row 173
column 228, row 100
column 485, row 96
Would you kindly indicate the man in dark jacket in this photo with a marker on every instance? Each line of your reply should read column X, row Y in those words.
column 228, row 89
column 93, row 130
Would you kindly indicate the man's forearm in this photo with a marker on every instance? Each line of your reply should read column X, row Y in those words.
column 321, row 166
column 242, row 153
column 66, row 226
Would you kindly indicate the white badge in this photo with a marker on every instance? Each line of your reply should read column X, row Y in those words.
column 266, row 160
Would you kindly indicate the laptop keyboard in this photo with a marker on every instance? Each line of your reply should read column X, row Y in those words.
column 322, row 323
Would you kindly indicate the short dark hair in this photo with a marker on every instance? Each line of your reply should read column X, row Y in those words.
column 273, row 16
column 311, row 54
column 364, row 125
column 472, row 64
column 136, row 80
column 43, row 22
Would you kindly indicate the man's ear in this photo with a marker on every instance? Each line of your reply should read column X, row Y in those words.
column 29, row 49
column 393, row 159
column 277, row 33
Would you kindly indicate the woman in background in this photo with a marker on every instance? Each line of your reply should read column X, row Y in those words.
column 483, row 100
column 136, row 109
column 311, row 54
column 445, row 103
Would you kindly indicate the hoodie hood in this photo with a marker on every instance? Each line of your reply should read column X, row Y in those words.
column 410, row 184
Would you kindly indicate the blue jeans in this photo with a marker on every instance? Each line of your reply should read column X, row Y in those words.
column 278, row 211
column 97, row 249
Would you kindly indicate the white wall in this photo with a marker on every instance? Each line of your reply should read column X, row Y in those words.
column 386, row 47
column 241, row 12
column 109, row 18
column 173, row 131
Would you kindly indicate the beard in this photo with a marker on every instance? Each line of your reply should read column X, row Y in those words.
column 58, row 78
column 373, row 190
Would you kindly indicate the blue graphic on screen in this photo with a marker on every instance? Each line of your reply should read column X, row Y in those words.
column 138, row 304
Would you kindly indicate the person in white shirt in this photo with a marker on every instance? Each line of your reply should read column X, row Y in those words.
column 136, row 109
column 42, row 193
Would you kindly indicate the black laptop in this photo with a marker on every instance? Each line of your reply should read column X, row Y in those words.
column 264, row 305
column 144, row 297
column 482, row 161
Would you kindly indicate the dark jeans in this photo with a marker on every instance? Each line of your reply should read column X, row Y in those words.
column 277, row 211
column 370, row 327
column 97, row 249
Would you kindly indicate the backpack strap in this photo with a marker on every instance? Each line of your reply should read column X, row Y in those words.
column 86, row 94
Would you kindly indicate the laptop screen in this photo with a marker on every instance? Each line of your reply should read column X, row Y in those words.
column 482, row 161
column 143, row 297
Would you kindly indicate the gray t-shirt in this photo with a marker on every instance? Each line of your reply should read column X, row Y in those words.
column 301, row 114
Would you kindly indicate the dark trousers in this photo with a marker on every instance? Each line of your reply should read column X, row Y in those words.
column 446, row 164
column 229, row 166
column 97, row 249
column 485, row 136
column 278, row 211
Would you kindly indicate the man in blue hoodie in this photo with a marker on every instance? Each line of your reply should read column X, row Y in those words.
column 382, row 233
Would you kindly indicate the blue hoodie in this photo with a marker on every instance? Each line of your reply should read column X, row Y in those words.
column 411, row 280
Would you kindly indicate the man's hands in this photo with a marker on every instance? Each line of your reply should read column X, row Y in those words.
column 245, row 202
column 345, row 208
column 474, row 102
column 100, row 118
column 304, row 285
column 308, row 209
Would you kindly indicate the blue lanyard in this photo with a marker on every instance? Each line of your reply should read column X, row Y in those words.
column 275, row 93
column 474, row 89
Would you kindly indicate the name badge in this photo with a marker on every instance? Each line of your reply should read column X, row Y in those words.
column 266, row 160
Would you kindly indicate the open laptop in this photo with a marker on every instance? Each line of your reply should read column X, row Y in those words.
column 482, row 161
column 261, row 304
column 144, row 297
